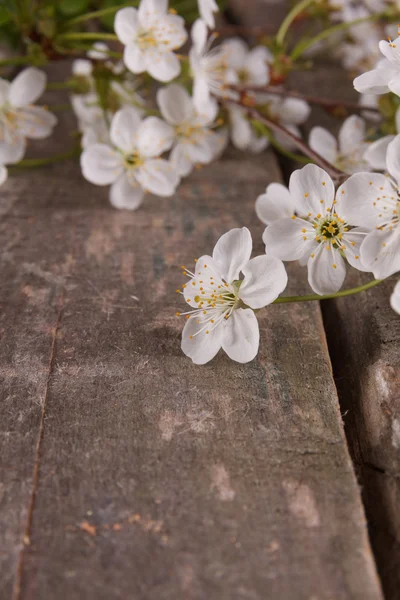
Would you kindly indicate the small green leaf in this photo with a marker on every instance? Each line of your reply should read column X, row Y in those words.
column 71, row 8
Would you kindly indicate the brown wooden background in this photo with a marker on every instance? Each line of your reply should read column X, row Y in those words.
column 128, row 472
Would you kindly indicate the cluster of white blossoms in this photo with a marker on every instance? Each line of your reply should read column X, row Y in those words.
column 20, row 119
column 148, row 115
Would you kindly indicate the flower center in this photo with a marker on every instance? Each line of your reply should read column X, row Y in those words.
column 146, row 39
column 215, row 299
column 132, row 160
column 329, row 229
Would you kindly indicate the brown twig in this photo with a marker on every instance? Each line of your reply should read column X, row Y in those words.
column 328, row 104
column 276, row 127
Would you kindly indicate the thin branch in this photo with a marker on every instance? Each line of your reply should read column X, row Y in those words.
column 328, row 104
column 333, row 171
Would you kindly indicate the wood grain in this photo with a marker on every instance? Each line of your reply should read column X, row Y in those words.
column 131, row 472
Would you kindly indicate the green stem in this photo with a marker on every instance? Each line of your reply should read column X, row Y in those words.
column 87, row 35
column 16, row 60
column 302, row 46
column 310, row 297
column 30, row 163
column 98, row 13
column 58, row 85
column 290, row 17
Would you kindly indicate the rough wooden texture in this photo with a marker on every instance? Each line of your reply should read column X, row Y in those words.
column 364, row 342
column 130, row 472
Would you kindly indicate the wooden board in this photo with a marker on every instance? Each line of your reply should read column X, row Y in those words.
column 364, row 342
column 126, row 470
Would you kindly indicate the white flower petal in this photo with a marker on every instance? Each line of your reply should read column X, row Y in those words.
column 151, row 11
column 352, row 134
column 175, row 104
column 257, row 68
column 395, row 298
column 126, row 25
column 134, row 58
column 201, row 347
column 3, row 174
column 264, row 279
column 200, row 147
column 241, row 130
column 393, row 159
column 27, row 87
column 99, row 51
column 232, row 252
column 82, row 67
column 180, row 160
column 352, row 241
column 101, row 165
column 276, row 203
column 294, row 111
column 236, row 53
column 391, row 50
column 380, row 252
column 158, row 176
column 126, row 193
column 124, row 128
column 162, row 66
column 206, row 10
column 326, row 270
column 12, row 152
column 361, row 200
column 241, row 336
column 324, row 143
column 199, row 35
column 312, row 189
column 287, row 238
column 375, row 154
column 374, row 82
column 154, row 136
column 35, row 122
column 394, row 83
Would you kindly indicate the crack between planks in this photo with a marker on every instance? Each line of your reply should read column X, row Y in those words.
column 36, row 468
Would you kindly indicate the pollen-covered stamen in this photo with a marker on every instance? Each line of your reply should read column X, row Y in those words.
column 132, row 160
column 330, row 229
column 214, row 298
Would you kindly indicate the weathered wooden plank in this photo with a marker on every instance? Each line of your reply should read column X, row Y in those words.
column 364, row 342
column 155, row 478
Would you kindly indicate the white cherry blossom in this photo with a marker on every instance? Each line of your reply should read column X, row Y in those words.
column 194, row 141
column 386, row 76
column 395, row 298
column 207, row 8
column 348, row 153
column 150, row 35
column 131, row 165
column 318, row 230
column 19, row 117
column 223, row 304
column 375, row 203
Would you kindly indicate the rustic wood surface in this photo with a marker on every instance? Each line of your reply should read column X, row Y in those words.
column 364, row 343
column 128, row 472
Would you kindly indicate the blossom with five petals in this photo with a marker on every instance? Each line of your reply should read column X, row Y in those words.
column 223, row 304
column 322, row 234
column 194, row 141
column 150, row 35
column 375, row 204
column 348, row 153
column 132, row 165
